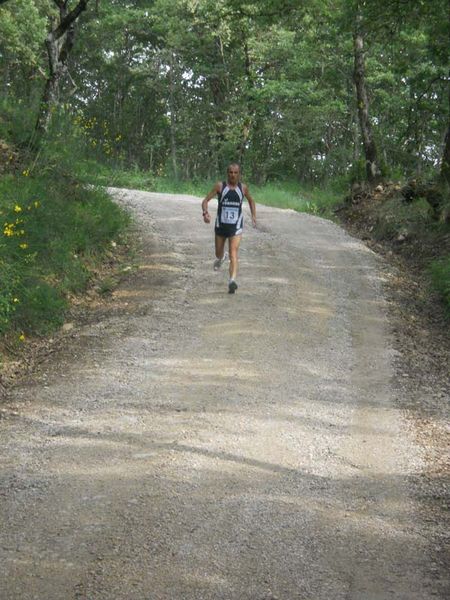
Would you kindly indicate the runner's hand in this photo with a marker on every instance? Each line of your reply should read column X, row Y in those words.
column 206, row 217
column 254, row 221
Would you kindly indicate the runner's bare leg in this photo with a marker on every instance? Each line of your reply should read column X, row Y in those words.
column 220, row 246
column 234, row 249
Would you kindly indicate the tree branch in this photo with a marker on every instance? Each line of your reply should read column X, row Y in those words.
column 69, row 19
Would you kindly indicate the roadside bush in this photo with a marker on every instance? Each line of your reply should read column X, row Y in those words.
column 56, row 226
column 41, row 309
column 9, row 285
column 17, row 119
column 440, row 275
column 394, row 217
column 54, row 231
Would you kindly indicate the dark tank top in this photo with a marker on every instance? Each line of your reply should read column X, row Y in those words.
column 229, row 211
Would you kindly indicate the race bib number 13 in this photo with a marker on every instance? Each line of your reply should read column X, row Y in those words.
column 229, row 215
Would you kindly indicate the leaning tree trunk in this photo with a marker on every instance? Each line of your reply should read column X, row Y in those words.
column 359, row 78
column 59, row 43
column 445, row 162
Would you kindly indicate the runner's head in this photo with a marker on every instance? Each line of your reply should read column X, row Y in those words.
column 233, row 173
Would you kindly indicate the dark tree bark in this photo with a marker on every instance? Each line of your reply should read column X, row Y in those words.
column 250, row 108
column 445, row 161
column 219, row 87
column 59, row 43
column 359, row 78
column 173, row 141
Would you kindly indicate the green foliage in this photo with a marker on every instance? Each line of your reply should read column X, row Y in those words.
column 22, row 29
column 440, row 274
column 193, row 85
column 107, row 285
column 10, row 278
column 179, row 88
column 357, row 171
column 17, row 120
column 56, row 225
column 195, row 187
column 394, row 217
column 123, row 178
column 54, row 231
column 41, row 308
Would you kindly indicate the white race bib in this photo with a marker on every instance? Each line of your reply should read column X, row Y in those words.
column 229, row 215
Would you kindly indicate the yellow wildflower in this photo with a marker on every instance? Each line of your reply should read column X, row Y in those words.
column 8, row 229
column 23, row 246
column 21, row 337
column 17, row 208
column 16, row 300
column 26, row 172
column 37, row 204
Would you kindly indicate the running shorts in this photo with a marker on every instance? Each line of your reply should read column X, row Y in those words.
column 228, row 231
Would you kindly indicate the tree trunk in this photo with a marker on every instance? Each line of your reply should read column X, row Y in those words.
column 59, row 43
column 445, row 161
column 50, row 99
column 173, row 145
column 250, row 107
column 218, row 86
column 359, row 73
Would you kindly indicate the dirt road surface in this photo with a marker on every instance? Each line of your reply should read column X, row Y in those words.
column 192, row 444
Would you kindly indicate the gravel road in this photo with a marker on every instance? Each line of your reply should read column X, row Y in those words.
column 191, row 444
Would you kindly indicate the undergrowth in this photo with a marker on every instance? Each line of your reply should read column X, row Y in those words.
column 56, row 228
column 54, row 233
column 440, row 276
column 394, row 217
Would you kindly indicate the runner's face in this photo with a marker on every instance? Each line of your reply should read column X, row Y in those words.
column 233, row 175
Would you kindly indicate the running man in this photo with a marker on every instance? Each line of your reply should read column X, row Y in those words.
column 229, row 220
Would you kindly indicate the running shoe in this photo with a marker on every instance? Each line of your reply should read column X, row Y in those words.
column 232, row 286
column 219, row 261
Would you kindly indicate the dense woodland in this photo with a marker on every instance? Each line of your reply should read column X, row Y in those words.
column 292, row 89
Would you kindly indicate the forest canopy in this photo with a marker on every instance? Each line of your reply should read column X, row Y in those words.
column 291, row 89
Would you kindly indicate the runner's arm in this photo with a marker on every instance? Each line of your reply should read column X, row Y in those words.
column 210, row 196
column 251, row 203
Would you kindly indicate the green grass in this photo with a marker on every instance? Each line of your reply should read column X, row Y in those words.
column 318, row 201
column 105, row 175
column 56, row 226
column 315, row 200
column 440, row 277
column 55, row 231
